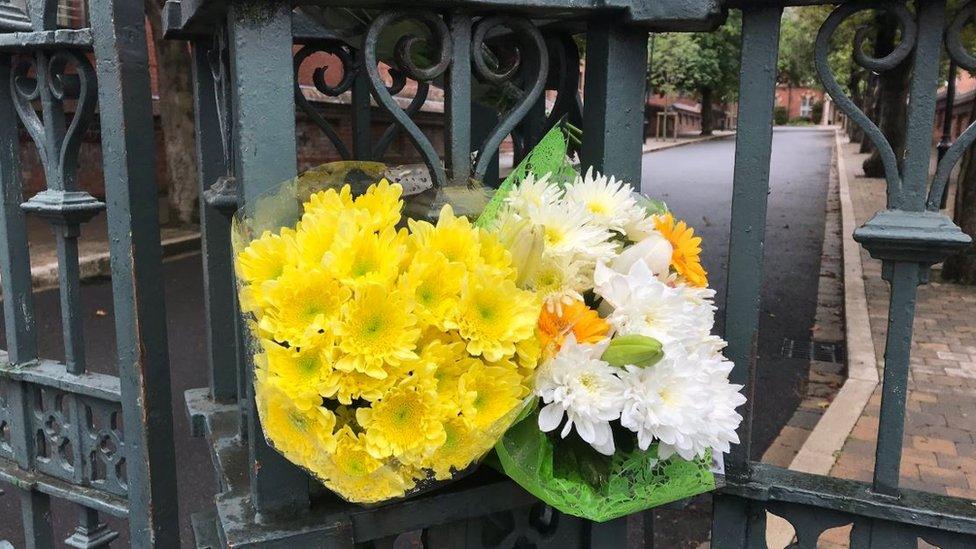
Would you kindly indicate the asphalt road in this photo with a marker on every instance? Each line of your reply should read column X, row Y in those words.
column 696, row 183
column 694, row 180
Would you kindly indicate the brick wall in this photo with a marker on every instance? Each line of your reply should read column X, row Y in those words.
column 313, row 148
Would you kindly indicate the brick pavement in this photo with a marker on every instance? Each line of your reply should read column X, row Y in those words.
column 939, row 451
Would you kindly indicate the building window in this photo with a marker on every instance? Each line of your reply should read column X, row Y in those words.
column 806, row 106
column 72, row 14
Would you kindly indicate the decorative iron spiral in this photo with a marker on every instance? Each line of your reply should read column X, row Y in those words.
column 405, row 64
column 908, row 37
column 347, row 61
column 529, row 46
column 52, row 84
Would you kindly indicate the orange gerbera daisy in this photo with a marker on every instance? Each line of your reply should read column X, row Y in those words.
column 687, row 248
column 576, row 319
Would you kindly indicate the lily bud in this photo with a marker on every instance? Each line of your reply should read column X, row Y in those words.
column 636, row 350
column 654, row 250
column 525, row 242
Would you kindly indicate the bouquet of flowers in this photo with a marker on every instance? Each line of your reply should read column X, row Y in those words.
column 389, row 353
column 632, row 389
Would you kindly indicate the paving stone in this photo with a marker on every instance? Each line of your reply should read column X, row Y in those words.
column 942, row 477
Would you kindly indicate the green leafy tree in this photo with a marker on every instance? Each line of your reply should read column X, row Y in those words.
column 704, row 64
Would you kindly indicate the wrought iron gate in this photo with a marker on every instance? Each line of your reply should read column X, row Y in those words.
column 101, row 442
column 61, row 429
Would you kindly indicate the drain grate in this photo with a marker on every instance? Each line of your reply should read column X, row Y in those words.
column 823, row 351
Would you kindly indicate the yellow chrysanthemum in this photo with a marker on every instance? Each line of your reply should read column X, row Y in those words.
column 348, row 386
column 527, row 355
column 351, row 472
column 495, row 256
column 329, row 202
column 377, row 327
column 380, row 205
column 298, row 372
column 303, row 303
column 405, row 423
column 687, row 248
column 315, row 235
column 360, row 256
column 488, row 393
column 454, row 237
column 494, row 315
column 434, row 284
column 299, row 428
column 264, row 259
column 462, row 445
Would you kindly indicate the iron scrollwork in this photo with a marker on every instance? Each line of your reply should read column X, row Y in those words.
column 529, row 59
column 908, row 37
column 346, row 57
column 405, row 65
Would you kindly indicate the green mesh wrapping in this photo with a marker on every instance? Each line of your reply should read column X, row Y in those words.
column 548, row 156
column 629, row 481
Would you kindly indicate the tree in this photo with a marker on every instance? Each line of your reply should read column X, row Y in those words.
column 176, row 115
column 891, row 107
column 795, row 65
column 961, row 267
column 706, row 64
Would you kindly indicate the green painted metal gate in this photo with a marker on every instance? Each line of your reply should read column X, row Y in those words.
column 61, row 428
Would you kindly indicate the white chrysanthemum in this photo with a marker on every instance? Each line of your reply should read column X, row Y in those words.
column 560, row 281
column 586, row 390
column 610, row 202
column 568, row 230
column 533, row 193
column 642, row 304
column 639, row 225
column 685, row 402
column 724, row 398
column 666, row 402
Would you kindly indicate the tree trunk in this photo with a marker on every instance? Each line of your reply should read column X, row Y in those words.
column 707, row 114
column 892, row 96
column 176, row 114
column 961, row 267
column 870, row 106
column 854, row 87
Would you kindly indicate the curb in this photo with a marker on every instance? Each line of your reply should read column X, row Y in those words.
column 98, row 265
column 650, row 149
column 819, row 452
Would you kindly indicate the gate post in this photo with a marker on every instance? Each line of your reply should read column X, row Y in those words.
column 264, row 156
column 128, row 142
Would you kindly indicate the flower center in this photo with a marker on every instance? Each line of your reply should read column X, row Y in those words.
column 598, row 208
column 554, row 236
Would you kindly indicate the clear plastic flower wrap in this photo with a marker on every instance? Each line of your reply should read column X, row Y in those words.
column 391, row 345
column 632, row 391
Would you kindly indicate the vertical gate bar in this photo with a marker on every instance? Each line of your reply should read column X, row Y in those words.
column 69, row 284
column 532, row 126
column 264, row 126
column 128, row 146
column 18, row 308
column 612, row 141
column 921, row 107
column 362, row 115
column 750, row 186
column 457, row 139
column 904, row 280
column 612, row 130
column 218, row 277
column 35, row 514
column 904, row 277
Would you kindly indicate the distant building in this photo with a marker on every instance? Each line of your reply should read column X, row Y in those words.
column 683, row 110
column 800, row 102
column 962, row 106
